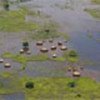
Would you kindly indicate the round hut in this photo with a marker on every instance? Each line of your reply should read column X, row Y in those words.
column 51, row 40
column 54, row 55
column 60, row 43
column 63, row 48
column 44, row 50
column 1, row 60
column 21, row 51
column 53, row 47
column 76, row 74
column 39, row 43
column 7, row 65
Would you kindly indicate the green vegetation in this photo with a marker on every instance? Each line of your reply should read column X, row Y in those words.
column 96, row 1
column 29, row 85
column 94, row 12
column 23, row 59
column 48, row 30
column 55, row 88
column 14, row 21
column 71, row 56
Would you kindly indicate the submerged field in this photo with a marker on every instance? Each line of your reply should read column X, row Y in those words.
column 69, row 33
column 54, row 88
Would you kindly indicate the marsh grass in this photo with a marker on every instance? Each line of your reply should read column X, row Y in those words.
column 55, row 88
column 14, row 21
column 41, row 33
column 94, row 12
column 96, row 1
column 71, row 56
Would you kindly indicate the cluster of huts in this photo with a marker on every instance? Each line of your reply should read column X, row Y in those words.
column 44, row 49
column 25, row 49
column 75, row 71
column 6, row 65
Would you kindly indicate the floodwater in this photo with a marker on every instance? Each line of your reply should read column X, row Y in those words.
column 14, row 96
column 73, row 20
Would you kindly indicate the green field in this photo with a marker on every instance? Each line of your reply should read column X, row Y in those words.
column 96, row 1
column 54, row 88
column 14, row 21
column 94, row 12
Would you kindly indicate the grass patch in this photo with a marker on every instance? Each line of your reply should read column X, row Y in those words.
column 24, row 59
column 71, row 56
column 48, row 30
column 96, row 1
column 55, row 88
column 14, row 21
column 94, row 12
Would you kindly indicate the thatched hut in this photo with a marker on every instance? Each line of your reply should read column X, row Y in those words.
column 28, row 52
column 53, row 47
column 63, row 48
column 44, row 50
column 21, row 51
column 60, row 43
column 39, row 43
column 54, row 55
column 69, row 68
column 76, row 74
column 7, row 65
column 51, row 40
column 1, row 60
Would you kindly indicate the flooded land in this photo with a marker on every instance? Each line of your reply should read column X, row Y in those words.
column 50, row 50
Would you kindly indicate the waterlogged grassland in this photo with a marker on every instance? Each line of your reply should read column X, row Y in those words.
column 54, row 88
column 94, row 12
column 19, row 21
column 14, row 21
column 70, row 56
column 48, row 30
column 96, row 1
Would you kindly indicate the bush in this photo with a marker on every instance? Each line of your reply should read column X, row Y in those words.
column 71, row 84
column 29, row 85
column 72, row 53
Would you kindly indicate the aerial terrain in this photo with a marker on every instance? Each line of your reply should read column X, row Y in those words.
column 49, row 49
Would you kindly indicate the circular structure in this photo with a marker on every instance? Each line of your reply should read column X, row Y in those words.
column 51, row 40
column 74, row 69
column 44, row 50
column 28, row 52
column 39, row 43
column 76, row 74
column 7, row 65
column 60, row 43
column 53, row 47
column 25, row 49
column 63, row 48
column 21, row 51
column 1, row 60
column 69, row 68
column 54, row 55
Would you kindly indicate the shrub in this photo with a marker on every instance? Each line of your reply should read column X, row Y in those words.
column 29, row 85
